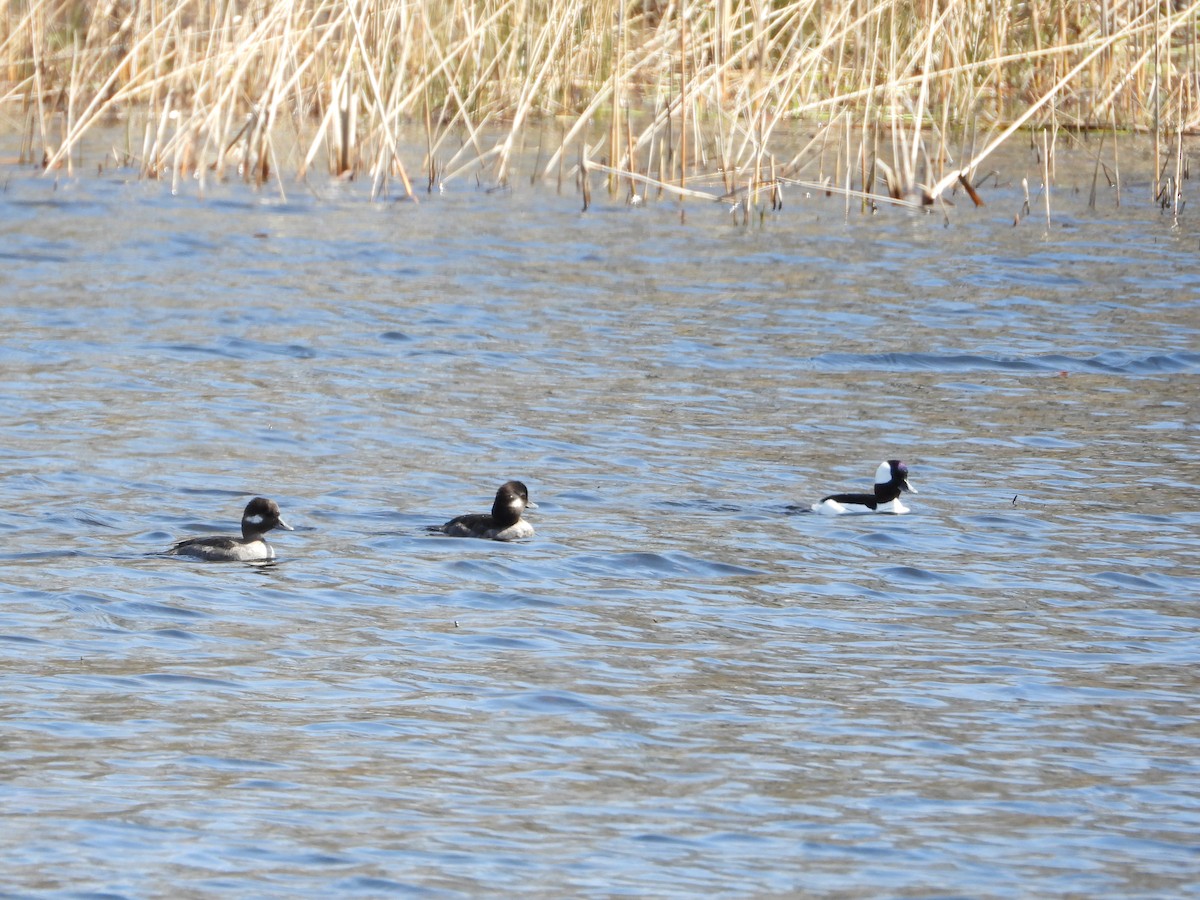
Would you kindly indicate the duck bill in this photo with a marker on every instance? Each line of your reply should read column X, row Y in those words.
column 905, row 486
column 285, row 526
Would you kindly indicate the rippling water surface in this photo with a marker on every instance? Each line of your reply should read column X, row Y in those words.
column 681, row 685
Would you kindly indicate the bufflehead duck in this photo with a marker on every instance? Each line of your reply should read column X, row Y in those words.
column 261, row 516
column 891, row 479
column 503, row 524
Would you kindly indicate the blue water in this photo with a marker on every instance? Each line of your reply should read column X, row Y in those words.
column 681, row 685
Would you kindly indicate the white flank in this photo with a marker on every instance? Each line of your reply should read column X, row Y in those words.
column 517, row 532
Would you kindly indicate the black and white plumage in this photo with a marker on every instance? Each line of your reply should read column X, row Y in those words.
column 891, row 480
column 261, row 515
column 503, row 523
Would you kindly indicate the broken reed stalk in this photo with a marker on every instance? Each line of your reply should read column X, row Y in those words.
column 205, row 80
column 1046, row 175
column 683, row 101
column 1156, row 186
column 618, row 56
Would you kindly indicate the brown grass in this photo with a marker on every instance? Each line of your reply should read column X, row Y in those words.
column 687, row 99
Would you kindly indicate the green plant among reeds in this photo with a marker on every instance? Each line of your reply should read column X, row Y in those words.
column 908, row 97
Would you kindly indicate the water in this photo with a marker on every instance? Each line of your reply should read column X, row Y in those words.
column 681, row 685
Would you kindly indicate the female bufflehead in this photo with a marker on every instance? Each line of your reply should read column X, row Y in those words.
column 891, row 479
column 503, row 524
column 261, row 516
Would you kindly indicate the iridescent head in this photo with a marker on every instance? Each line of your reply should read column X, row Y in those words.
column 261, row 516
column 894, row 472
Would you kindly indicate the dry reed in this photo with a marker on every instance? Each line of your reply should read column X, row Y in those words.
column 689, row 98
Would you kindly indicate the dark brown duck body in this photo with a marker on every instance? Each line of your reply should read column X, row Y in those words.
column 260, row 516
column 503, row 523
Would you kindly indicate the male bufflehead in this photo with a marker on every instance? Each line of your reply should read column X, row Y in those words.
column 891, row 479
column 261, row 516
column 503, row 524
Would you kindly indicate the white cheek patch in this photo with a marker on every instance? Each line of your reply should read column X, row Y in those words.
column 883, row 474
column 255, row 519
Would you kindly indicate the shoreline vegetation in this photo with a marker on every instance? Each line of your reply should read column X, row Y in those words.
column 906, row 99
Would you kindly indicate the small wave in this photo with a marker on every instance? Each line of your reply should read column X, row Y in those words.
column 1152, row 364
column 989, row 519
column 911, row 573
column 248, row 349
column 921, row 362
column 177, row 634
column 1122, row 579
column 630, row 563
column 500, row 642
column 881, row 539
column 487, row 569
column 239, row 349
column 19, row 639
column 547, row 701
column 658, row 564
column 228, row 762
column 1111, row 363
column 720, row 568
column 1046, row 441
column 192, row 349
column 26, row 259
column 170, row 678
column 371, row 884
column 39, row 555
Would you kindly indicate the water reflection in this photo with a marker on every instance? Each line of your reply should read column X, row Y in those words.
column 675, row 687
